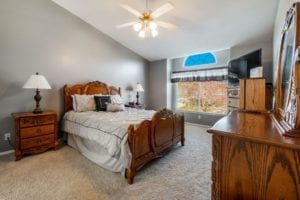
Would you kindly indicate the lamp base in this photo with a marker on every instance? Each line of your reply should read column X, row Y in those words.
column 37, row 111
column 137, row 98
column 37, row 99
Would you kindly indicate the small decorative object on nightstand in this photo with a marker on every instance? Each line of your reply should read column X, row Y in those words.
column 139, row 106
column 35, row 133
column 37, row 82
column 139, row 88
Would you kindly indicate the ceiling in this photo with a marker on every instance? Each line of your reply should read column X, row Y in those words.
column 203, row 25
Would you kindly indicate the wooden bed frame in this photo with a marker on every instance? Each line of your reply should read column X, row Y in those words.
column 150, row 139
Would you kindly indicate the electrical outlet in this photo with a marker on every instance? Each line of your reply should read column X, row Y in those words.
column 199, row 117
column 6, row 136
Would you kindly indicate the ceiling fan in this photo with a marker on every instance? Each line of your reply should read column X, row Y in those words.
column 147, row 21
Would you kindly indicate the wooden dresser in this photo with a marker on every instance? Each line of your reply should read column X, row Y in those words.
column 252, row 160
column 35, row 133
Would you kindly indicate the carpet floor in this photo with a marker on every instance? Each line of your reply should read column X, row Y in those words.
column 184, row 173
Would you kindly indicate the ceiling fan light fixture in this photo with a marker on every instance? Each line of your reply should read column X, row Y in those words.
column 152, row 25
column 142, row 34
column 147, row 23
column 154, row 33
column 137, row 27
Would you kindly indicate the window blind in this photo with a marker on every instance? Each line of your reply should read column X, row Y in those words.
column 219, row 74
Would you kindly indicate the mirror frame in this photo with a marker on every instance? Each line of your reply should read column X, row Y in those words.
column 287, row 118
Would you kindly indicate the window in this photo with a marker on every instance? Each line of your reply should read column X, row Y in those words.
column 204, row 96
column 201, row 90
column 200, row 59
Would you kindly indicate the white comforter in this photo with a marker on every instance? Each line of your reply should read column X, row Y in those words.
column 108, row 129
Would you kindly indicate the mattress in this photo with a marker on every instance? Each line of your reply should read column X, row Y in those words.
column 102, row 136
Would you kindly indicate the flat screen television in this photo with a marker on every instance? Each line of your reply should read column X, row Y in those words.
column 240, row 67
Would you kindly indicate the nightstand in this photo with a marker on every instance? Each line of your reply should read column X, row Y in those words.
column 140, row 106
column 35, row 133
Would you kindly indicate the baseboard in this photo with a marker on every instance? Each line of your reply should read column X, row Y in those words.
column 6, row 152
column 200, row 125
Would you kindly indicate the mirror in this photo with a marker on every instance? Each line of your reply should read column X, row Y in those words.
column 288, row 50
column 287, row 104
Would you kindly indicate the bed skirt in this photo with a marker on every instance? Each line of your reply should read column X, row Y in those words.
column 99, row 155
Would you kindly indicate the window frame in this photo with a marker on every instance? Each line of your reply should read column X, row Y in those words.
column 199, row 102
column 184, row 64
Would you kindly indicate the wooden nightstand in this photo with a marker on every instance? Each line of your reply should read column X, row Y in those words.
column 35, row 133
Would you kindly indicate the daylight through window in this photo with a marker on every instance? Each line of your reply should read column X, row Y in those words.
column 204, row 96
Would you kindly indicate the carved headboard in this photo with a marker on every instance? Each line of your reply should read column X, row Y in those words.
column 95, row 87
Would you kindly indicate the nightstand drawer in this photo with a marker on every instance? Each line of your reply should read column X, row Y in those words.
column 37, row 141
column 37, row 131
column 34, row 121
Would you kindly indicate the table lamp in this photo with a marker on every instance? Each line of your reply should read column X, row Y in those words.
column 139, row 88
column 37, row 82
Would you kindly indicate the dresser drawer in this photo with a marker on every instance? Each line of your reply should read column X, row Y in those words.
column 36, row 131
column 37, row 141
column 34, row 121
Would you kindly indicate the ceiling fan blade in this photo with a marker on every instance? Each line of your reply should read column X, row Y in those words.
column 162, row 10
column 126, row 24
column 165, row 25
column 131, row 10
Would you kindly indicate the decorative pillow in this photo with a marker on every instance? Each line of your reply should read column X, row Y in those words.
column 115, row 107
column 116, row 99
column 101, row 102
column 83, row 103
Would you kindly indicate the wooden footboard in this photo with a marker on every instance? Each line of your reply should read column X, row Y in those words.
column 153, row 138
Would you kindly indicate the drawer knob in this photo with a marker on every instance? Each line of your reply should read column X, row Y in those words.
column 38, row 130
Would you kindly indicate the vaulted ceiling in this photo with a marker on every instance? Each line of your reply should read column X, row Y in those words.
column 203, row 25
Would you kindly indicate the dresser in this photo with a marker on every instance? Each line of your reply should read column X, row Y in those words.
column 252, row 160
column 35, row 133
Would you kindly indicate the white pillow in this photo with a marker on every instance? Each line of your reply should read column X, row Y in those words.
column 73, row 102
column 114, row 107
column 82, row 103
column 116, row 99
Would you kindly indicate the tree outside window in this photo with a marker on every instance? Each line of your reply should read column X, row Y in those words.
column 206, row 96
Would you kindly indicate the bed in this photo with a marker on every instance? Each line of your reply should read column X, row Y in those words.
column 122, row 141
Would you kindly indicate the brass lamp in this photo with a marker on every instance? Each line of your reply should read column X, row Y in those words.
column 37, row 81
column 139, row 88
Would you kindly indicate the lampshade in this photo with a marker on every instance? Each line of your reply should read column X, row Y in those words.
column 139, row 88
column 37, row 81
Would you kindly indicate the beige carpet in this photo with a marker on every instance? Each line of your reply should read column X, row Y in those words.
column 184, row 173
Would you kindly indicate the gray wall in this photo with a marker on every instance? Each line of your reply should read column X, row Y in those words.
column 223, row 58
column 40, row 36
column 267, row 56
column 158, row 78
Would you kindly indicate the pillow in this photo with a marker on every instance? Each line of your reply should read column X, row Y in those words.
column 114, row 107
column 82, row 103
column 101, row 102
column 73, row 102
column 116, row 99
